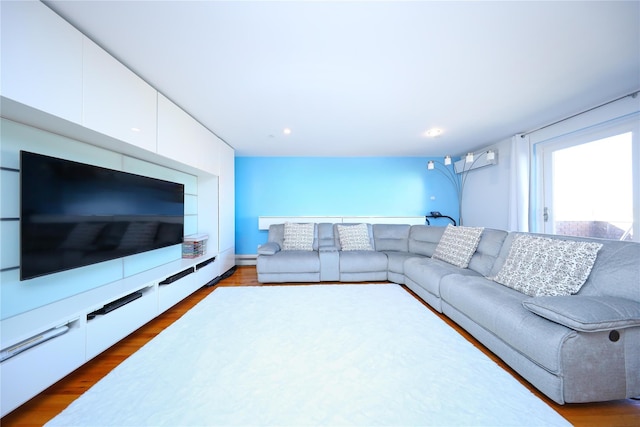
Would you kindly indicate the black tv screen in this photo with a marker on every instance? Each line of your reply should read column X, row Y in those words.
column 73, row 214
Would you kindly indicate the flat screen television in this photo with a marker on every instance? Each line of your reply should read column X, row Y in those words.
column 74, row 214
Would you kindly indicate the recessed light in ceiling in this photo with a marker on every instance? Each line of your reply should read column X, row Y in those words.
column 433, row 132
column 286, row 131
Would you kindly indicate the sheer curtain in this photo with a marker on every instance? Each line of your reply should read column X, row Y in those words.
column 520, row 183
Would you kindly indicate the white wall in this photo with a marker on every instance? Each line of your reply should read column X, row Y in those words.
column 485, row 199
column 486, row 194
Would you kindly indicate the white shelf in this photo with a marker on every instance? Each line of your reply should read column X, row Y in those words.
column 31, row 371
column 265, row 221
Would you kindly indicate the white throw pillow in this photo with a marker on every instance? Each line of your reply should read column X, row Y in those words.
column 457, row 245
column 539, row 266
column 298, row 237
column 354, row 237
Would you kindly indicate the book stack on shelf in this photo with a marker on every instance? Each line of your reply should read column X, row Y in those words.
column 194, row 245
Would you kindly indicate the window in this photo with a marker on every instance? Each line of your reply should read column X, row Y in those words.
column 586, row 185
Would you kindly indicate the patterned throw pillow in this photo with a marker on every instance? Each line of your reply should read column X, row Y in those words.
column 354, row 237
column 298, row 237
column 540, row 266
column 457, row 245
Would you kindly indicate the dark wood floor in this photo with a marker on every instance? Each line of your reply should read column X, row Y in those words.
column 52, row 401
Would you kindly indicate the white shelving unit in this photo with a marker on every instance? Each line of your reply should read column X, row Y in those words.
column 57, row 80
column 29, row 372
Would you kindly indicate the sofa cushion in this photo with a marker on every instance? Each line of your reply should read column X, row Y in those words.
column 588, row 314
column 539, row 266
column 616, row 271
column 423, row 239
column 428, row 272
column 499, row 310
column 362, row 262
column 396, row 260
column 268, row 248
column 289, row 262
column 488, row 250
column 354, row 237
column 391, row 237
column 458, row 244
column 298, row 237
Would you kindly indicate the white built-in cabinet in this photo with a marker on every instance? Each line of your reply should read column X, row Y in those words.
column 41, row 60
column 116, row 102
column 33, row 370
column 56, row 79
column 226, row 214
column 182, row 138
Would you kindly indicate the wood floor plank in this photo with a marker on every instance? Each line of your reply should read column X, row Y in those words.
column 49, row 403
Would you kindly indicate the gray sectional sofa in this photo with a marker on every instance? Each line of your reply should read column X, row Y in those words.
column 577, row 347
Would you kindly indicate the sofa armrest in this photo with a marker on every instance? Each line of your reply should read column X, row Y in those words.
column 586, row 313
column 328, row 248
column 268, row 248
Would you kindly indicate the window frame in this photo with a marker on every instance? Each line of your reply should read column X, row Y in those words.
column 542, row 153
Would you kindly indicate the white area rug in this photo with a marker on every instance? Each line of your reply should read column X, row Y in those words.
column 309, row 355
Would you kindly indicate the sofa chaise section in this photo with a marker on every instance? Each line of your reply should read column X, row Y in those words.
column 574, row 348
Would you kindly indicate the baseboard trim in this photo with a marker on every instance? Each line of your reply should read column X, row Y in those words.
column 250, row 259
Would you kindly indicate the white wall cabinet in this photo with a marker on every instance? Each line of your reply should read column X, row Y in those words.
column 226, row 214
column 63, row 79
column 34, row 369
column 41, row 60
column 105, row 330
column 182, row 138
column 116, row 102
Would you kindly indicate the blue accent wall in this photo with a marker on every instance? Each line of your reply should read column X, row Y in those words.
column 334, row 186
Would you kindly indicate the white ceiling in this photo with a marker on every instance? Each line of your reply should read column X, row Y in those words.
column 369, row 78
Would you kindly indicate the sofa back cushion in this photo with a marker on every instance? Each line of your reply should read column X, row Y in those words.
column 391, row 237
column 488, row 250
column 616, row 271
column 423, row 239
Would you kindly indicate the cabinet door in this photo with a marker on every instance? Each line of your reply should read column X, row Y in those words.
column 41, row 60
column 209, row 148
column 226, row 207
column 117, row 103
column 182, row 138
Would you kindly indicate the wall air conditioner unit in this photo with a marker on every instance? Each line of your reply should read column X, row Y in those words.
column 473, row 161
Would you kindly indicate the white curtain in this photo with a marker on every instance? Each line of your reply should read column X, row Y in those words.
column 520, row 183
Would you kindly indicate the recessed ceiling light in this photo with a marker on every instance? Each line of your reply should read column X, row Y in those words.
column 433, row 132
column 286, row 131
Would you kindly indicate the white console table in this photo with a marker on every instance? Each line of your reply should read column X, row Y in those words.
column 265, row 221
